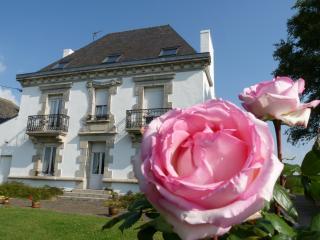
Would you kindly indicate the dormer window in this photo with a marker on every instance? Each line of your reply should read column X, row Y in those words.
column 112, row 58
column 59, row 65
column 168, row 51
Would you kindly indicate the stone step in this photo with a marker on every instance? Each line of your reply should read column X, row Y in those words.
column 87, row 194
column 91, row 191
column 82, row 198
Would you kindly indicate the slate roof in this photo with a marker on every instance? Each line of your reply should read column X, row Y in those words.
column 8, row 110
column 139, row 44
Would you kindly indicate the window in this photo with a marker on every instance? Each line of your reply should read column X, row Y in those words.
column 153, row 97
column 49, row 160
column 55, row 104
column 168, row 51
column 101, row 112
column 98, row 163
column 112, row 58
column 101, row 108
column 54, row 110
column 59, row 65
column 152, row 102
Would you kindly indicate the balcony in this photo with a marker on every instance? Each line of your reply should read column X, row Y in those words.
column 138, row 118
column 52, row 125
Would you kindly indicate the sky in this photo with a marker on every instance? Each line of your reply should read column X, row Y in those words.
column 34, row 34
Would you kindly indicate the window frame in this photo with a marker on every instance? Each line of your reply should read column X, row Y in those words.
column 163, row 50
column 114, row 58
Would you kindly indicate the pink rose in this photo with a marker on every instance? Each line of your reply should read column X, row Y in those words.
column 207, row 167
column 278, row 99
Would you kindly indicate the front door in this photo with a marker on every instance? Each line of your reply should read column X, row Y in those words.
column 97, row 166
column 5, row 164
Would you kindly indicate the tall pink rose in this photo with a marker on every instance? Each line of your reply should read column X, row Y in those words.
column 207, row 168
column 278, row 99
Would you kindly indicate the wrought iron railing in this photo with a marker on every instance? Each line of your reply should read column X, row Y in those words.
column 138, row 118
column 48, row 123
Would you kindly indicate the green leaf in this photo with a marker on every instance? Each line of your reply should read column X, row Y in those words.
column 243, row 231
column 311, row 163
column 265, row 225
column 290, row 169
column 311, row 186
column 130, row 220
column 259, row 232
column 159, row 224
column 170, row 236
column 139, row 204
column 152, row 215
column 315, row 223
column 234, row 237
column 308, row 235
column 315, row 190
column 115, row 220
column 293, row 183
column 281, row 196
column 279, row 224
column 281, row 237
column 146, row 233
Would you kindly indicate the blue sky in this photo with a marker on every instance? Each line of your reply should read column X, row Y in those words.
column 34, row 33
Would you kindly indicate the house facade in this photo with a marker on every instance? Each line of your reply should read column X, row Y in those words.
column 80, row 117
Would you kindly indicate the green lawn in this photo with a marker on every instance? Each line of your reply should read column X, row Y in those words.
column 39, row 224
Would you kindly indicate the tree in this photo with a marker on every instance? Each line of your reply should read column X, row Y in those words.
column 299, row 57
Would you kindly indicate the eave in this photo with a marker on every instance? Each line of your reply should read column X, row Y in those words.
column 186, row 62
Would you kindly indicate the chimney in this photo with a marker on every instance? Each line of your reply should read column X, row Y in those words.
column 207, row 46
column 67, row 52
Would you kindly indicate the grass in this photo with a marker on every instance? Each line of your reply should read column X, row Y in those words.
column 39, row 224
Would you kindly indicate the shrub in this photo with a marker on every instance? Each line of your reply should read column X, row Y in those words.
column 123, row 201
column 21, row 190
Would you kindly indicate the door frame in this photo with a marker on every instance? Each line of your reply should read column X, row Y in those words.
column 90, row 162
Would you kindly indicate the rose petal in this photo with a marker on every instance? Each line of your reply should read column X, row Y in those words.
column 297, row 118
column 275, row 105
column 239, row 210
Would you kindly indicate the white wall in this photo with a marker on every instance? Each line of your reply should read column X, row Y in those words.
column 122, row 151
column 77, row 109
column 187, row 89
column 13, row 139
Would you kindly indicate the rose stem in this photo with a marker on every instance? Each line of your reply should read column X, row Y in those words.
column 215, row 238
column 277, row 127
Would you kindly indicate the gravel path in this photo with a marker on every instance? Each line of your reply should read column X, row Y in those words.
column 69, row 206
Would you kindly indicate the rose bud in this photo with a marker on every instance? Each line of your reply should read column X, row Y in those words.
column 278, row 100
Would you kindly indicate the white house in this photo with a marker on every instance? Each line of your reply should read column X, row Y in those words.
column 80, row 117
